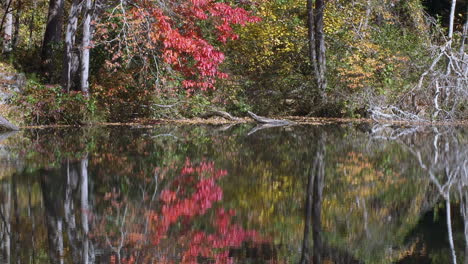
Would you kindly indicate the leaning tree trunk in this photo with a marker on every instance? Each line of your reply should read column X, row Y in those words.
column 86, row 48
column 52, row 37
column 71, row 60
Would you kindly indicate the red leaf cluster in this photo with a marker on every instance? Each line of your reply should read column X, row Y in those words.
column 181, row 32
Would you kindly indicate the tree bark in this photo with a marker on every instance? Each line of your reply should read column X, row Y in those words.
column 452, row 20
column 52, row 37
column 320, row 46
column 8, row 30
column 86, row 45
column 311, row 35
column 71, row 60
column 465, row 33
column 317, row 43
column 31, row 24
column 15, row 39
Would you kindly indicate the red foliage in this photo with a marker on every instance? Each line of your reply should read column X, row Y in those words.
column 180, row 31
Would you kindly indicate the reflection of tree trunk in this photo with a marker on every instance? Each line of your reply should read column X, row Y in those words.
column 464, row 211
column 313, row 206
column 69, row 210
column 318, row 198
column 308, row 213
column 5, row 225
column 33, row 229
column 84, row 209
column 449, row 229
column 52, row 199
column 15, row 235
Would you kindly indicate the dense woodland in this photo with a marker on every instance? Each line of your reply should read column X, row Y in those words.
column 120, row 60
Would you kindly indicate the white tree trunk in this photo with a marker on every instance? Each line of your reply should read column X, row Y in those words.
column 8, row 32
column 86, row 48
column 70, row 56
column 452, row 20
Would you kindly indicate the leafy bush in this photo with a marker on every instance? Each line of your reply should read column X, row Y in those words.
column 48, row 104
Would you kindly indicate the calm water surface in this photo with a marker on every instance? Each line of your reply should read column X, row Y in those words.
column 235, row 194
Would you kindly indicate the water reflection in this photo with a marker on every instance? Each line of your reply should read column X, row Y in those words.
column 443, row 156
column 330, row 194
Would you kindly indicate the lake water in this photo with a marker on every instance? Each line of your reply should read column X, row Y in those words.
column 345, row 193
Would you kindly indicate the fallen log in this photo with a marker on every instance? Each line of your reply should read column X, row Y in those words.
column 221, row 114
column 6, row 125
column 265, row 120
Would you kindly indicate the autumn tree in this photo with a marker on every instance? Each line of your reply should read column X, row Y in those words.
column 176, row 38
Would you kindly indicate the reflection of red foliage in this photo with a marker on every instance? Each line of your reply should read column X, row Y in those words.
column 175, row 206
column 189, row 196
column 216, row 246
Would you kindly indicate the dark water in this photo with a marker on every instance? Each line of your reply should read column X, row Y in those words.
column 204, row 194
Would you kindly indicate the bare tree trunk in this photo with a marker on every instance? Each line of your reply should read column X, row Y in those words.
column 317, row 43
column 31, row 24
column 86, row 48
column 71, row 60
column 452, row 20
column 465, row 33
column 365, row 24
column 311, row 35
column 52, row 37
column 8, row 31
column 15, row 40
column 320, row 46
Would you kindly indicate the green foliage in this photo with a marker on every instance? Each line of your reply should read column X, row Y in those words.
column 48, row 104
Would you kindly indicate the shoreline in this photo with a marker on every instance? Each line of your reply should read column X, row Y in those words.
column 298, row 120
